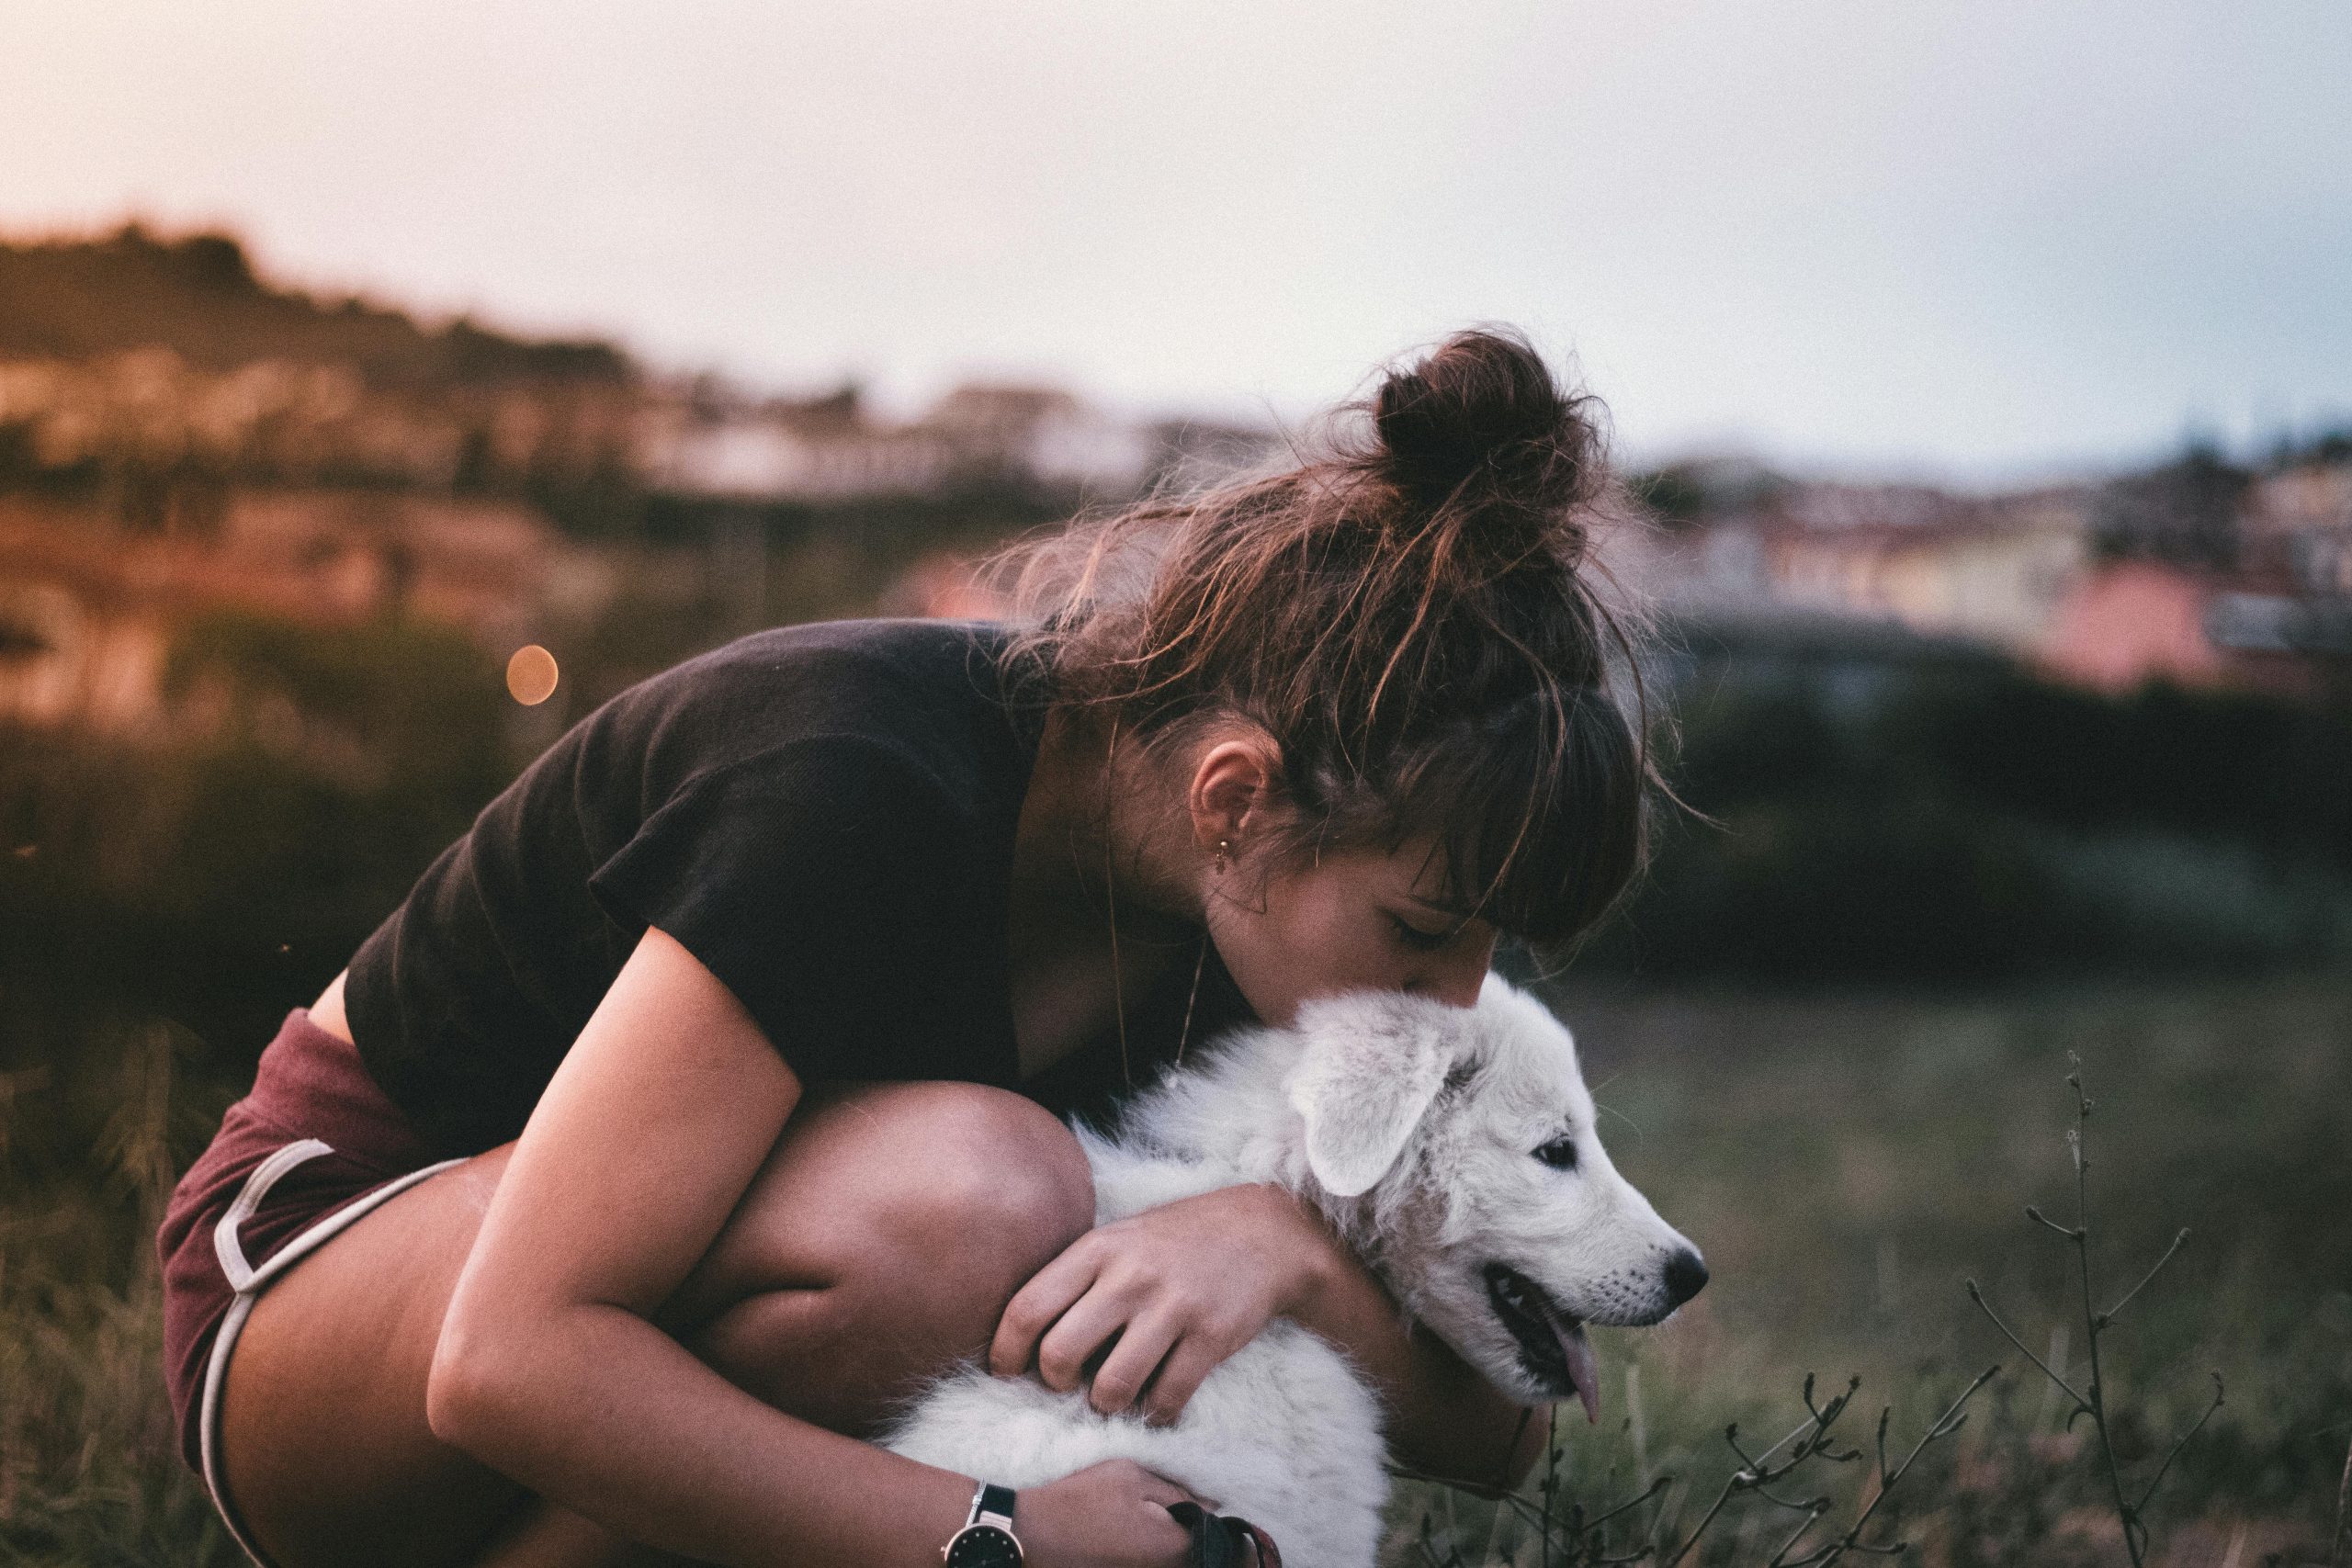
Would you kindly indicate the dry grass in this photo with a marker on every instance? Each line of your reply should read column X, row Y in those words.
column 1845, row 1163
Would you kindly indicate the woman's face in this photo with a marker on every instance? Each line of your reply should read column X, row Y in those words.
column 1351, row 919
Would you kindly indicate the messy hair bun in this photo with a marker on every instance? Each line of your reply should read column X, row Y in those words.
column 1410, row 614
column 1482, row 411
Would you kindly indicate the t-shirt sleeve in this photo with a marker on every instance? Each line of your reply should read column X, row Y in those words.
column 804, row 880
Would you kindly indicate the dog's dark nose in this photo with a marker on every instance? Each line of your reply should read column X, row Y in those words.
column 1686, row 1276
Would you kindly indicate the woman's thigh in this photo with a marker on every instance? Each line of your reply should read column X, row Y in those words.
column 881, row 1241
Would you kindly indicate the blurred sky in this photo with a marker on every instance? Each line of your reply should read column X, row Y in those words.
column 1974, row 237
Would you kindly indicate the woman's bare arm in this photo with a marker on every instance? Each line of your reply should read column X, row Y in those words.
column 549, row 1368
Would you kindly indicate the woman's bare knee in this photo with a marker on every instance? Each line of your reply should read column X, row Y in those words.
column 867, row 1176
column 1009, row 1168
column 941, row 1201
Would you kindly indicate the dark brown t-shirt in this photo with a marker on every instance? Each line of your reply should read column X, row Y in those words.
column 823, row 815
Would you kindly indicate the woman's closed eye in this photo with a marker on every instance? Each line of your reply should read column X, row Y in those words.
column 1412, row 936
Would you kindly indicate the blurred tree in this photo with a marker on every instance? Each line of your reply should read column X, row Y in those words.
column 2185, row 513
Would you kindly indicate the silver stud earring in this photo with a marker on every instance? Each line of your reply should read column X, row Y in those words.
column 1224, row 851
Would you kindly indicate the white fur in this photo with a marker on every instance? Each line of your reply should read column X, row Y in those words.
column 1410, row 1126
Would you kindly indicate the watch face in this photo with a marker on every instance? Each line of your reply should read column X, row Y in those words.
column 983, row 1546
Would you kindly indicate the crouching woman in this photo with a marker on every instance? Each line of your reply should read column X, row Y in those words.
column 702, row 1100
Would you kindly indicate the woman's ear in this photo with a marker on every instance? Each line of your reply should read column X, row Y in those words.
column 1373, row 1063
column 1236, row 774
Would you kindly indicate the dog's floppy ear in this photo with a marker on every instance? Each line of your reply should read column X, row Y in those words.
column 1369, row 1070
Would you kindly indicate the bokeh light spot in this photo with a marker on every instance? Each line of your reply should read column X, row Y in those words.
column 530, row 674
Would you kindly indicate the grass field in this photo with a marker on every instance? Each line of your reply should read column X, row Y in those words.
column 1846, row 1163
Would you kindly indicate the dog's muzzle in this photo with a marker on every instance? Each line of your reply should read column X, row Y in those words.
column 1552, row 1344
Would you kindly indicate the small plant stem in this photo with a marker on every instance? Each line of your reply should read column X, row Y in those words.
column 1781, row 1558
column 1757, row 1473
column 2342, row 1556
column 2181, row 1443
column 1552, row 1475
column 2109, row 1314
column 1660, row 1485
column 1760, row 1461
column 1541, row 1518
column 1942, row 1427
column 1976, row 1294
column 1705, row 1521
column 2124, row 1511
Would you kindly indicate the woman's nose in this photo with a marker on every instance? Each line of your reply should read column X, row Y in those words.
column 1460, row 991
column 1457, row 983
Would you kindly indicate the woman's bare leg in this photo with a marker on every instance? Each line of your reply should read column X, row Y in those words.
column 881, row 1241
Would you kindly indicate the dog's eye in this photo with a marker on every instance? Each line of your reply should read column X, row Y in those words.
column 1560, row 1154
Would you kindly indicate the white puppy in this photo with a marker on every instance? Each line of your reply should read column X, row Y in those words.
column 1455, row 1149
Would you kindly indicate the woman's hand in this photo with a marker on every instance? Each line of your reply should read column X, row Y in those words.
column 1180, row 1287
column 1112, row 1515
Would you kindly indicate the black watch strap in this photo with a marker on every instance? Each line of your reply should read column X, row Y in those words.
column 992, row 1499
column 986, row 1540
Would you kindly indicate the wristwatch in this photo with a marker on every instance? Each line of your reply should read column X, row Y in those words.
column 986, row 1540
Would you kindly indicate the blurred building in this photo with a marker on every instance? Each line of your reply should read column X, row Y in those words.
column 2192, row 573
column 1041, row 434
column 2213, row 576
column 696, row 441
column 2297, row 527
column 1943, row 566
column 2131, row 622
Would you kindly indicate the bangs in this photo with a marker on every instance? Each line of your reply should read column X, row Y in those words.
column 1538, row 815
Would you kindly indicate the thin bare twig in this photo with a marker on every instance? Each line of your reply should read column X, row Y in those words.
column 2342, row 1556
column 2183, row 1442
column 1944, row 1425
column 2109, row 1316
column 1813, row 1440
column 1781, row 1558
column 2135, row 1534
column 2093, row 1400
column 1977, row 1295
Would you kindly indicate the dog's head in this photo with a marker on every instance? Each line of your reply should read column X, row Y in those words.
column 1456, row 1148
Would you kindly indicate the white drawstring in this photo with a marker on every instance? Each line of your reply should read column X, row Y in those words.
column 248, row 1282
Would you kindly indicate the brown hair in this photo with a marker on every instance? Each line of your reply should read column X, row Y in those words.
column 1410, row 614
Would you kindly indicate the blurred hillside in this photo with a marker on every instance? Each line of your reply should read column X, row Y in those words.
column 147, row 375
column 199, row 295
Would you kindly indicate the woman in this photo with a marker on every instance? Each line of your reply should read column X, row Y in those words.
column 700, row 1101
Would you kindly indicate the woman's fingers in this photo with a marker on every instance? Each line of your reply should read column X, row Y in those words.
column 1034, row 1308
column 1078, row 1333
column 1143, row 1343
column 1187, row 1367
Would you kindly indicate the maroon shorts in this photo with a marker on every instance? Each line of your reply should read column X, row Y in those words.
column 312, row 1147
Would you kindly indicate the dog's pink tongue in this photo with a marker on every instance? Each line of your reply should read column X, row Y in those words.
column 1583, row 1371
